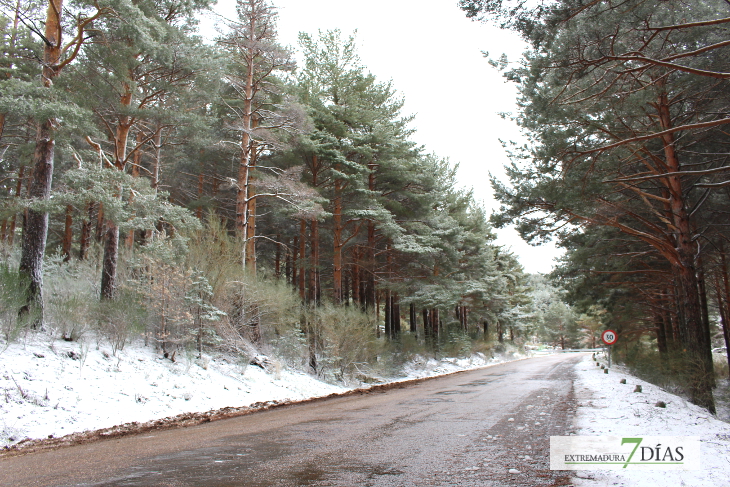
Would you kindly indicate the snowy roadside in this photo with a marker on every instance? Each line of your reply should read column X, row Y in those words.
column 52, row 388
column 607, row 407
column 57, row 388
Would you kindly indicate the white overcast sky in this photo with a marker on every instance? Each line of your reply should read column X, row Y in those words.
column 433, row 55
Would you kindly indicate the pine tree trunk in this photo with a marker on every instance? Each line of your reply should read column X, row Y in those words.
column 337, row 231
column 302, row 262
column 726, row 300
column 100, row 222
column 294, row 262
column 694, row 334
column 435, row 323
column 387, row 312
column 370, row 289
column 413, row 317
column 377, row 313
column 723, row 311
column 356, row 276
column 702, row 290
column 251, row 217
column 111, row 246
column 395, row 316
column 85, row 240
column 67, row 234
column 244, row 198
column 35, row 227
column 346, row 280
column 109, row 267
column 136, row 164
column 201, row 186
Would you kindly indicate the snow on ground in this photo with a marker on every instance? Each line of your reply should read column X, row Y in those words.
column 55, row 388
column 50, row 387
column 423, row 367
column 607, row 407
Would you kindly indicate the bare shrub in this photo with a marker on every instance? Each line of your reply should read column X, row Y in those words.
column 344, row 340
column 120, row 318
column 163, row 284
column 13, row 293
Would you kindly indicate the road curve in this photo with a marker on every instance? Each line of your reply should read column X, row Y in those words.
column 486, row 427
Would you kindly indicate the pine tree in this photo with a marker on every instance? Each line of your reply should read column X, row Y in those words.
column 605, row 96
column 56, row 56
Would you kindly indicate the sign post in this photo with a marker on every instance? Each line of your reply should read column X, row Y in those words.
column 609, row 337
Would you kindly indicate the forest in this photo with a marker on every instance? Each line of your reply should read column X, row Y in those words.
column 214, row 195
column 219, row 195
column 624, row 103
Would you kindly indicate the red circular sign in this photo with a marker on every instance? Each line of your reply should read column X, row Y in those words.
column 609, row 337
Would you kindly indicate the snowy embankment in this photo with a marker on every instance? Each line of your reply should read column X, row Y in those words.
column 608, row 407
column 56, row 388
column 51, row 388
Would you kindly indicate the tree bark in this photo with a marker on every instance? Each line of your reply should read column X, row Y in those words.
column 109, row 265
column 244, row 200
column 67, row 234
column 370, row 288
column 288, row 263
column 35, row 228
column 395, row 316
column 251, row 209
column 302, row 263
column 692, row 333
column 413, row 318
column 337, row 231
column 85, row 240
column 726, row 300
column 294, row 262
column 387, row 311
column 356, row 276
column 136, row 164
column 111, row 246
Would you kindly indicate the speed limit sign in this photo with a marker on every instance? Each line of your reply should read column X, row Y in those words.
column 609, row 337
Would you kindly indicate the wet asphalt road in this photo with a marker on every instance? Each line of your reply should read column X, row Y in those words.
column 466, row 429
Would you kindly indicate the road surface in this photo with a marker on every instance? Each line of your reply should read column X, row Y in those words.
column 486, row 427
